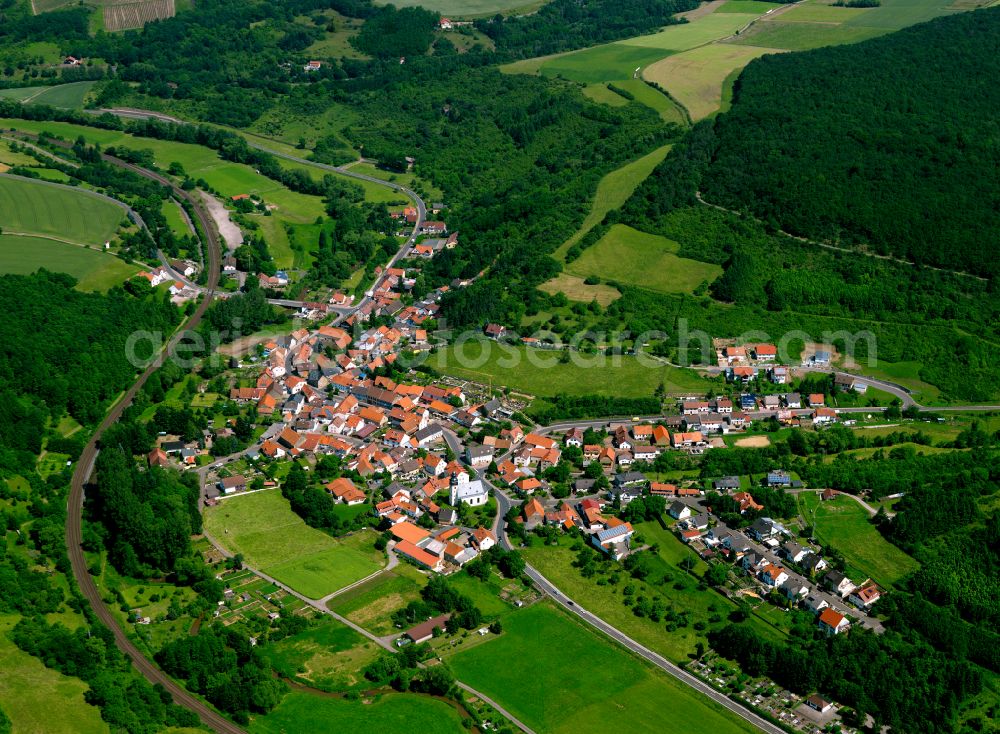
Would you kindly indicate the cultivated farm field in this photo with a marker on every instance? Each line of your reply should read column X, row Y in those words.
column 61, row 212
column 66, row 96
column 470, row 8
column 572, row 675
column 844, row 524
column 120, row 17
column 95, row 271
column 695, row 78
column 816, row 23
column 275, row 540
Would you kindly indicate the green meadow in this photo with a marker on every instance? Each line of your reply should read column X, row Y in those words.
column 390, row 713
column 649, row 261
column 679, row 590
column 539, row 372
column 38, row 700
column 561, row 677
column 613, row 191
column 844, row 524
column 95, row 271
column 371, row 604
column 329, row 656
column 275, row 540
column 175, row 219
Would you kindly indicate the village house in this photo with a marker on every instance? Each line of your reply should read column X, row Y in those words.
column 838, row 583
column 864, row 596
column 747, row 502
column 832, row 622
column 764, row 352
column 478, row 457
column 726, row 484
column 679, row 511
column 533, row 514
column 236, row 483
column 614, row 539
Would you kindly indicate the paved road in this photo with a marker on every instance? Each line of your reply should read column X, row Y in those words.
column 546, row 586
column 74, row 536
column 385, row 643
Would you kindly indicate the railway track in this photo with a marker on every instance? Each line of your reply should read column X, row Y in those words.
column 74, row 534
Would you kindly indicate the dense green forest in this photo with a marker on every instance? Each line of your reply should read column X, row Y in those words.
column 896, row 153
column 899, row 159
column 64, row 354
column 224, row 666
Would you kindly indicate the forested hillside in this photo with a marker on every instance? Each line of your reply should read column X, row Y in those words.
column 891, row 144
column 63, row 352
column 63, row 355
column 862, row 144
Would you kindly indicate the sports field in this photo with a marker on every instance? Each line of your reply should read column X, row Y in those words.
column 275, row 540
column 649, row 261
column 560, row 677
column 539, row 372
column 843, row 523
column 95, row 271
column 694, row 78
column 32, row 207
column 391, row 713
column 38, row 700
